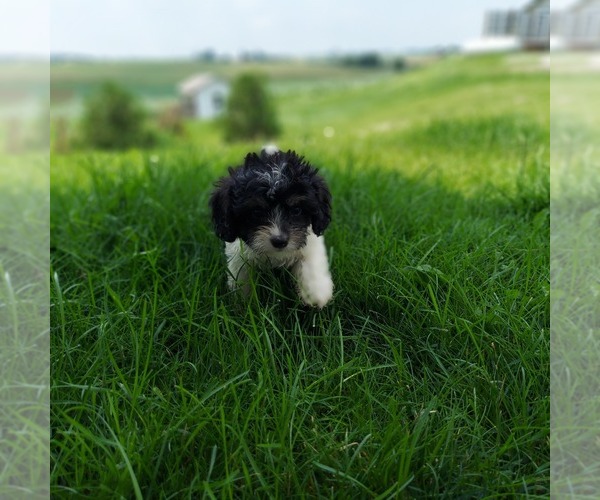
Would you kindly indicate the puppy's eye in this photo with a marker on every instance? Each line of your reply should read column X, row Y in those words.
column 295, row 211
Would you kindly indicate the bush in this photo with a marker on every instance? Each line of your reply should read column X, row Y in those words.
column 366, row 60
column 400, row 64
column 114, row 119
column 250, row 113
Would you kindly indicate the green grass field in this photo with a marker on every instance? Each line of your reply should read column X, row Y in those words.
column 575, row 262
column 428, row 376
column 24, row 320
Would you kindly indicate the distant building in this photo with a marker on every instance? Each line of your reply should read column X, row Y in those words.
column 524, row 29
column 577, row 27
column 500, row 23
column 533, row 25
column 203, row 96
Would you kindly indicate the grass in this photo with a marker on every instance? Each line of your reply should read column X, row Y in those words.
column 575, row 282
column 24, row 300
column 427, row 376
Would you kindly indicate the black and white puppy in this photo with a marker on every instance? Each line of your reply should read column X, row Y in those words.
column 272, row 211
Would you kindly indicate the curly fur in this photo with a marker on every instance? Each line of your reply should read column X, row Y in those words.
column 272, row 211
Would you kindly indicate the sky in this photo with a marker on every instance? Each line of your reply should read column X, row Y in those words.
column 181, row 28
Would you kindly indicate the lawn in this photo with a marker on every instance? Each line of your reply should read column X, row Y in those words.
column 428, row 375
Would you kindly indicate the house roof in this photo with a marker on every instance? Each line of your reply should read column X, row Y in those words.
column 197, row 82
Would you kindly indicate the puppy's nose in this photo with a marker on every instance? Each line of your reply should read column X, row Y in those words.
column 279, row 241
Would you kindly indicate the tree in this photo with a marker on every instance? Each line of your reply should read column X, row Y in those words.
column 250, row 112
column 113, row 119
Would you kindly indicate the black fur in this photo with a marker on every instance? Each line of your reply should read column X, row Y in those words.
column 283, row 183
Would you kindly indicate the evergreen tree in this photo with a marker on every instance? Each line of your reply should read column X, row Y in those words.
column 113, row 119
column 250, row 110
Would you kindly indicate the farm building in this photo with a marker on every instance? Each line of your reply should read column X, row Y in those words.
column 203, row 96
column 577, row 27
column 533, row 26
column 527, row 28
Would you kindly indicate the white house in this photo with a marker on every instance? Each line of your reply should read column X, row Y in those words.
column 533, row 27
column 577, row 27
column 526, row 28
column 203, row 96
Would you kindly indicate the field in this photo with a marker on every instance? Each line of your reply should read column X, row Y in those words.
column 575, row 284
column 24, row 289
column 155, row 82
column 24, row 322
column 428, row 375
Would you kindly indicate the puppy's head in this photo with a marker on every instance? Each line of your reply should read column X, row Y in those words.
column 271, row 201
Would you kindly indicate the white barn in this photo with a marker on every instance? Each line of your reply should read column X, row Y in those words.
column 203, row 96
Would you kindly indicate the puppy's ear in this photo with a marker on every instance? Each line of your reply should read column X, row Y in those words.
column 322, row 217
column 220, row 203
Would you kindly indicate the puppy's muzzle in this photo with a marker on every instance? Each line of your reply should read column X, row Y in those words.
column 280, row 241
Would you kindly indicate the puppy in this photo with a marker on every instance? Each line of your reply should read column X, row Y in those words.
column 272, row 212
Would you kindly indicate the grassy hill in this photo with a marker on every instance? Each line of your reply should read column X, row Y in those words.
column 427, row 376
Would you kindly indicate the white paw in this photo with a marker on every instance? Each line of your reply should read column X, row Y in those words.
column 237, row 285
column 232, row 284
column 318, row 294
